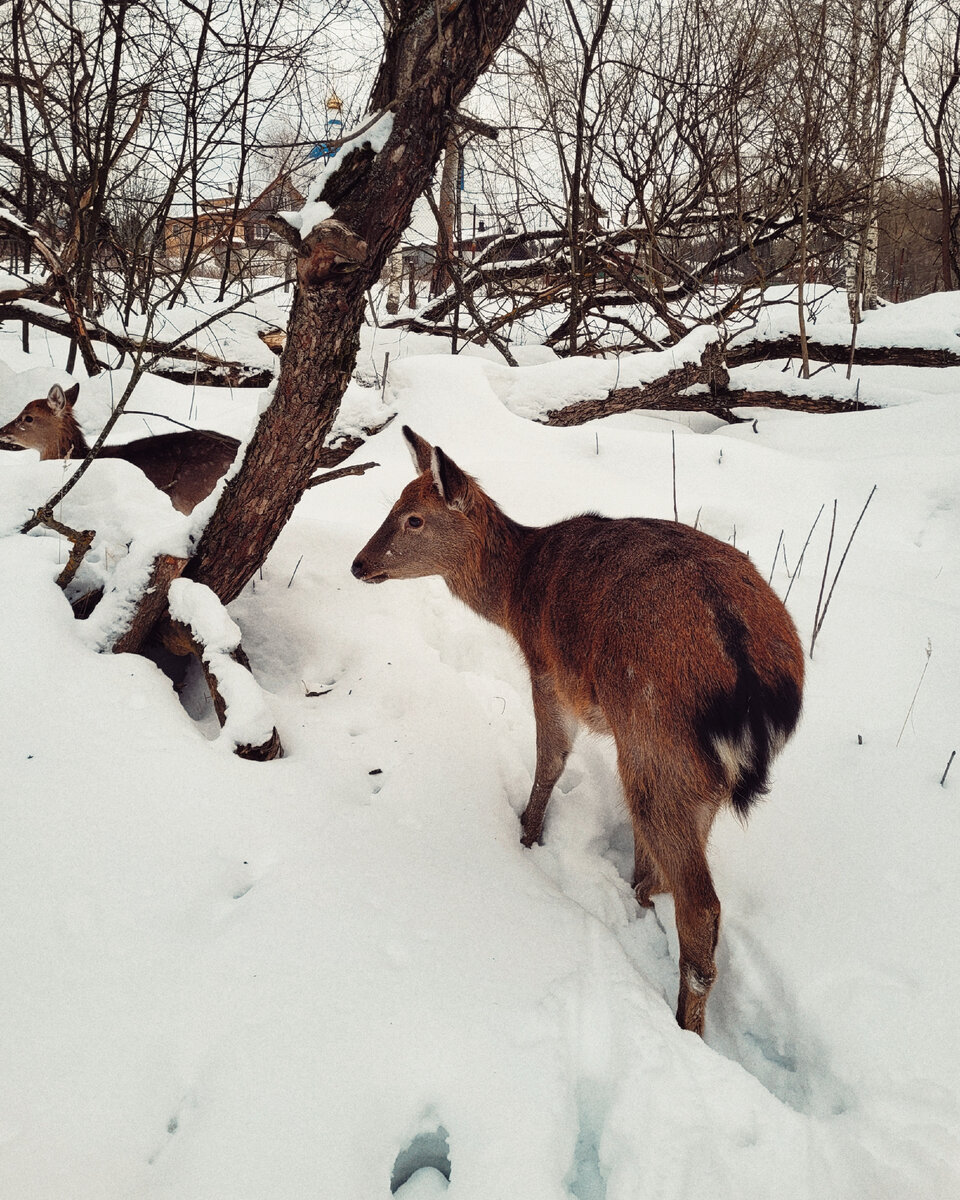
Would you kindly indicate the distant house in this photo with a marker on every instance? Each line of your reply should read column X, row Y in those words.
column 211, row 230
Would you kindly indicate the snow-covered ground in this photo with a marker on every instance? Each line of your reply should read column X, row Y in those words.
column 339, row 975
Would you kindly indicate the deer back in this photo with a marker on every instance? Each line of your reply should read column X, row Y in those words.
column 185, row 465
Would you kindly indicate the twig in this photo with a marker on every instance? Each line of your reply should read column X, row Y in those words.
column 823, row 616
column 953, row 755
column 916, row 694
column 340, row 473
column 463, row 294
column 295, row 570
column 823, row 581
column 796, row 570
column 775, row 556
column 673, row 455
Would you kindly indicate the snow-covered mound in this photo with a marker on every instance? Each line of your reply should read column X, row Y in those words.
column 928, row 322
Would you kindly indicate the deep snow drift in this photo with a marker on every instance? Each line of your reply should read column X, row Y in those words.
column 340, row 974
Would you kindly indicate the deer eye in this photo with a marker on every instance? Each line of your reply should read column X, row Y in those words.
column 414, row 522
column 28, row 420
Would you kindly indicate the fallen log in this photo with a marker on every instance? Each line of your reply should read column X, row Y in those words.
column 665, row 393
column 674, row 392
column 664, row 396
column 836, row 352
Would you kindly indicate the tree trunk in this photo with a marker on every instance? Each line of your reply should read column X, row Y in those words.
column 394, row 282
column 432, row 57
column 317, row 361
column 946, row 205
column 447, row 208
column 870, row 243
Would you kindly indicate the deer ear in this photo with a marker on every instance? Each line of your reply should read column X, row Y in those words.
column 452, row 483
column 72, row 393
column 57, row 400
column 420, row 450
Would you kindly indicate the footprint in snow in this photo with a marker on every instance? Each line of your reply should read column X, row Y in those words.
column 422, row 1169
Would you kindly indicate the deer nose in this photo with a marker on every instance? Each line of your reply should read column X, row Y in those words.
column 358, row 569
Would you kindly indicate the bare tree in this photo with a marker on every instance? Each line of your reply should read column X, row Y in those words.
column 651, row 174
column 875, row 34
column 932, row 80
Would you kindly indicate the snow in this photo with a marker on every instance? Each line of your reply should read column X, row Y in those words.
column 340, row 972
column 315, row 210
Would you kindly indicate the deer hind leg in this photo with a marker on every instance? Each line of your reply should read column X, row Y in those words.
column 554, row 739
column 698, row 926
column 670, row 835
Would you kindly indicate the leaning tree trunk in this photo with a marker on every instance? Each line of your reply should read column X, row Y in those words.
column 432, row 57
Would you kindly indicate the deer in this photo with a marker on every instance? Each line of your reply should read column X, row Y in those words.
column 646, row 630
column 185, row 465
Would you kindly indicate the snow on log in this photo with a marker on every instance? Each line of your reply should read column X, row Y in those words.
column 241, row 707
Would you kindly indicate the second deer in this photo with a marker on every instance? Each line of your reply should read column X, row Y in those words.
column 185, row 465
column 648, row 630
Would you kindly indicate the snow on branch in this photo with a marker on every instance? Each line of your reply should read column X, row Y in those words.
column 316, row 211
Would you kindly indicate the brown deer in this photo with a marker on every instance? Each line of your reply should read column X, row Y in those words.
column 186, row 465
column 647, row 630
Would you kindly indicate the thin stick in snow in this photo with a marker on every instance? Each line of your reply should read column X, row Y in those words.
column 673, row 454
column 823, row 581
column 295, row 570
column 796, row 571
column 821, row 616
column 916, row 694
column 953, row 755
column 775, row 555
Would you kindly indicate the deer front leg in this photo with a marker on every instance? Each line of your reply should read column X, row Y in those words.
column 554, row 739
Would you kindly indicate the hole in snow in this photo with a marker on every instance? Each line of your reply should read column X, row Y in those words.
column 585, row 1180
column 427, row 1156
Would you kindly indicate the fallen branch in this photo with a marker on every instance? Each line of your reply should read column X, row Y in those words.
column 744, row 398
column 152, row 605
column 81, row 540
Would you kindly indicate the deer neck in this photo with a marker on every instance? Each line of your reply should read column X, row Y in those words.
column 484, row 579
column 70, row 441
